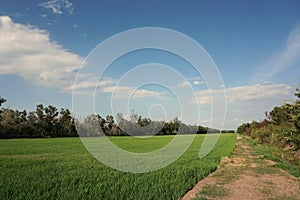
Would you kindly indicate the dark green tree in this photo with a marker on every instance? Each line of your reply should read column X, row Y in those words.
column 65, row 124
column 2, row 101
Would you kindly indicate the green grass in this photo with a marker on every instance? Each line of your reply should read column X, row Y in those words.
column 284, row 197
column 213, row 191
column 200, row 198
column 61, row 168
column 229, row 174
column 273, row 153
column 265, row 170
column 140, row 144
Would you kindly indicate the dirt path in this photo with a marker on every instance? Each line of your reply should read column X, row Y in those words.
column 246, row 175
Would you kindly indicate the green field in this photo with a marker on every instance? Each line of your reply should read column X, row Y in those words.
column 61, row 168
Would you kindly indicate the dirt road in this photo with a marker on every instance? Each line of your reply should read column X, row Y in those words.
column 246, row 175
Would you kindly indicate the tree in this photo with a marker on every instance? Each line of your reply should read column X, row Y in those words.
column 102, row 123
column 32, row 126
column 297, row 93
column 2, row 100
column 90, row 126
column 134, row 117
column 268, row 116
column 202, row 130
column 280, row 114
column 109, row 124
column 283, row 128
column 296, row 109
column 46, row 119
column 244, row 129
column 43, row 122
column 51, row 120
column 66, row 124
column 8, row 123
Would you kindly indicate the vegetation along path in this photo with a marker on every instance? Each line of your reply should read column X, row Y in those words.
column 246, row 175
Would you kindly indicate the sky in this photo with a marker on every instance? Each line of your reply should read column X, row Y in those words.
column 53, row 52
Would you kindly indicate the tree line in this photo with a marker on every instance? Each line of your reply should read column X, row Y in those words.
column 280, row 128
column 95, row 125
column 48, row 121
column 43, row 122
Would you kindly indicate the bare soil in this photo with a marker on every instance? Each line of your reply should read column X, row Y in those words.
column 246, row 175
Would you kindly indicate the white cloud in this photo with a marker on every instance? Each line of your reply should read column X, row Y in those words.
column 126, row 92
column 284, row 59
column 28, row 52
column 58, row 6
column 184, row 84
column 189, row 84
column 246, row 93
column 258, row 92
column 198, row 82
column 142, row 93
column 247, row 103
column 197, row 78
column 87, row 83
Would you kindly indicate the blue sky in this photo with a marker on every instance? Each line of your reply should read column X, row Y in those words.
column 255, row 45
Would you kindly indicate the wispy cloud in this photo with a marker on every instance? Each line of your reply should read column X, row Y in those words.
column 131, row 93
column 282, row 60
column 184, row 84
column 246, row 103
column 58, row 6
column 28, row 52
column 198, row 82
column 89, row 85
column 108, row 86
column 190, row 82
column 197, row 78
column 248, row 93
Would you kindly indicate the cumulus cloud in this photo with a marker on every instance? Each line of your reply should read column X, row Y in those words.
column 284, row 59
column 28, row 52
column 58, row 6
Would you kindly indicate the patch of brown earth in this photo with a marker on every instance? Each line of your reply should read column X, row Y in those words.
column 246, row 175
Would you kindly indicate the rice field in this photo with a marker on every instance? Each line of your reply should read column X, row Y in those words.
column 61, row 168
